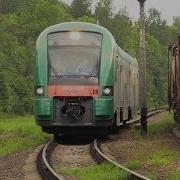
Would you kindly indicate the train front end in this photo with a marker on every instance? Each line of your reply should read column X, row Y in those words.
column 74, row 80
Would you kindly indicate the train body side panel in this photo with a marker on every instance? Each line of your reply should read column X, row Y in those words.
column 126, row 90
column 174, row 80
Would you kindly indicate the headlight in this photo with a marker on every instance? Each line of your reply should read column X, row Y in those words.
column 39, row 90
column 107, row 91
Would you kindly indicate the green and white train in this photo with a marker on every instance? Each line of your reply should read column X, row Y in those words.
column 84, row 82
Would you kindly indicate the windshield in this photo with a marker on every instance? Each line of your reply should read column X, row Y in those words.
column 74, row 54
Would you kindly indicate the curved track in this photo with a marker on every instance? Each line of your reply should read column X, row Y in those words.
column 151, row 113
column 100, row 157
column 47, row 172
column 43, row 163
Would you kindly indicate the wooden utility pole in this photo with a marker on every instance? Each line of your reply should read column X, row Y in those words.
column 142, row 71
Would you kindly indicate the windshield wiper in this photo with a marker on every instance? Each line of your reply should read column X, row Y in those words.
column 55, row 72
column 91, row 74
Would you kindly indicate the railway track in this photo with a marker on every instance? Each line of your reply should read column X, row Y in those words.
column 100, row 157
column 47, row 172
column 43, row 163
column 151, row 113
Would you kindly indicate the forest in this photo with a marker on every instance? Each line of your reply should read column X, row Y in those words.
column 21, row 21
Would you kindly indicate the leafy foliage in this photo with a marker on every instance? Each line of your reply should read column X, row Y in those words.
column 81, row 8
column 19, row 29
column 9, row 6
column 21, row 22
column 103, row 12
column 157, row 27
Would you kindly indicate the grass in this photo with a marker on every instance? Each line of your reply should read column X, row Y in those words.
column 174, row 175
column 133, row 165
column 161, row 128
column 19, row 133
column 163, row 156
column 152, row 175
column 157, row 151
column 151, row 155
column 101, row 172
column 160, row 152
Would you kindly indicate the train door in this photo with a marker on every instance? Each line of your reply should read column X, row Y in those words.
column 126, row 94
column 173, row 60
column 121, row 92
column 119, row 95
column 170, row 55
column 115, row 85
column 131, row 91
column 177, row 76
column 137, row 90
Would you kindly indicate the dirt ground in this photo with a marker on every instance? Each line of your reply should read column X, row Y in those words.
column 130, row 146
column 157, row 118
column 20, row 166
column 11, row 166
column 72, row 156
column 124, row 147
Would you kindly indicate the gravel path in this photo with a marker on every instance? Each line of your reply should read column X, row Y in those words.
column 130, row 147
column 20, row 166
column 11, row 166
column 72, row 156
column 29, row 169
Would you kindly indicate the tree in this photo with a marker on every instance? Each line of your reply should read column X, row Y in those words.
column 157, row 27
column 46, row 14
column 81, row 8
column 121, row 28
column 23, row 20
column 36, row 15
column 156, row 72
column 176, row 21
column 174, row 30
column 103, row 12
column 9, row 6
column 6, row 94
column 19, row 30
column 87, row 19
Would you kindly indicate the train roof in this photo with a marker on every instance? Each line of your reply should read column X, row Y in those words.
column 83, row 26
column 126, row 57
column 76, row 26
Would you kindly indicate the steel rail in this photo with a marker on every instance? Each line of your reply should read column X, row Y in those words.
column 151, row 113
column 49, row 171
column 103, row 156
column 100, row 156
